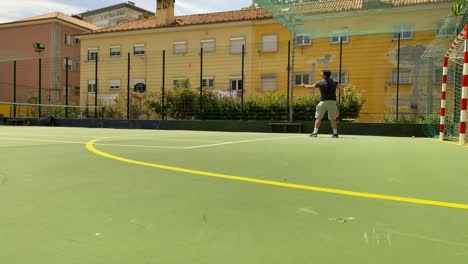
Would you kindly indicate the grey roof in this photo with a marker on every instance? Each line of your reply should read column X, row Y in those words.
column 114, row 7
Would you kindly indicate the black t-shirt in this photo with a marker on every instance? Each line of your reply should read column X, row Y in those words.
column 327, row 89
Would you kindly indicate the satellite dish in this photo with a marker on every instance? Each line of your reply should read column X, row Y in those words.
column 139, row 87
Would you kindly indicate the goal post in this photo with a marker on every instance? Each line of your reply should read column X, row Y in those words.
column 454, row 74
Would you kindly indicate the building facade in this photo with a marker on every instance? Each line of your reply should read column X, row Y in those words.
column 114, row 15
column 56, row 31
column 206, row 49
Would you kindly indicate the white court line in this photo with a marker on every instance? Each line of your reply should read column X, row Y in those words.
column 138, row 146
column 45, row 140
column 145, row 146
column 132, row 137
column 102, row 144
column 241, row 141
column 47, row 135
column 123, row 136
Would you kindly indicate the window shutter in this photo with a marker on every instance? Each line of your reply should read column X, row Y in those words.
column 268, row 82
column 236, row 45
column 269, row 43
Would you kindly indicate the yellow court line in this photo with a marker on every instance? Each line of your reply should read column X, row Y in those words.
column 90, row 147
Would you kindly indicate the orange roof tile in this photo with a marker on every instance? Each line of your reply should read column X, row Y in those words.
column 220, row 17
column 318, row 7
column 313, row 7
column 412, row 2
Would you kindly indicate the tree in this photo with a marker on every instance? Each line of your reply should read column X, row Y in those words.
column 252, row 6
column 144, row 16
column 459, row 7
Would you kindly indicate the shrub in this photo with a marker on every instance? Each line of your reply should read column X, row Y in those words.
column 184, row 103
column 142, row 106
column 304, row 107
column 352, row 104
column 270, row 106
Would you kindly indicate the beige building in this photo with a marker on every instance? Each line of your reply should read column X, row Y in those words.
column 114, row 15
column 369, row 61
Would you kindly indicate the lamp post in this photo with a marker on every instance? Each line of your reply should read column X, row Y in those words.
column 39, row 47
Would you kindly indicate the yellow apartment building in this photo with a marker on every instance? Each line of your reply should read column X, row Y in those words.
column 367, row 52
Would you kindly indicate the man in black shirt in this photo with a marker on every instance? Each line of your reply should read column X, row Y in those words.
column 327, row 103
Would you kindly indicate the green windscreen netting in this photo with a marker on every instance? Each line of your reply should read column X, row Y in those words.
column 325, row 18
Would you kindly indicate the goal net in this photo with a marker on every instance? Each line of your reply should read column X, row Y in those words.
column 454, row 91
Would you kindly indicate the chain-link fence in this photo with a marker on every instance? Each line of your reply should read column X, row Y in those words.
column 385, row 76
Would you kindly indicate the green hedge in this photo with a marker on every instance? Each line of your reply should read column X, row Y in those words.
column 184, row 103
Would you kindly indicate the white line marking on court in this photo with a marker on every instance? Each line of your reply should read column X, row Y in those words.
column 307, row 211
column 435, row 240
column 241, row 141
column 389, row 239
column 150, row 146
column 138, row 146
column 186, row 140
column 366, row 239
column 102, row 144
column 125, row 136
column 44, row 140
column 58, row 135
column 43, row 135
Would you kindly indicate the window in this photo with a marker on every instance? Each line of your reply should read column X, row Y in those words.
column 92, row 54
column 77, row 66
column 268, row 82
column 208, row 45
column 139, row 49
column 91, row 86
column 115, row 51
column 302, row 78
column 269, row 43
column 69, row 66
column 404, row 30
column 180, row 47
column 344, row 77
column 208, row 82
column 77, row 91
column 114, row 84
column 235, row 83
column 303, row 40
column 179, row 82
column 68, row 40
column 77, row 41
column 336, row 39
column 236, row 45
column 405, row 76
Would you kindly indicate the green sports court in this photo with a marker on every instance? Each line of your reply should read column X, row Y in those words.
column 85, row 195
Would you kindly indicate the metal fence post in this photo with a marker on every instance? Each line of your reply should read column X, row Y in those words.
column 398, row 78
column 128, row 86
column 201, row 82
column 66, row 87
column 291, row 98
column 243, row 75
column 14, row 88
column 163, row 84
column 96, row 85
column 289, row 78
column 39, row 99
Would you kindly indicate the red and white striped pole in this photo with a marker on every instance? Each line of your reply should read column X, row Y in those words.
column 464, row 97
column 443, row 97
column 459, row 38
